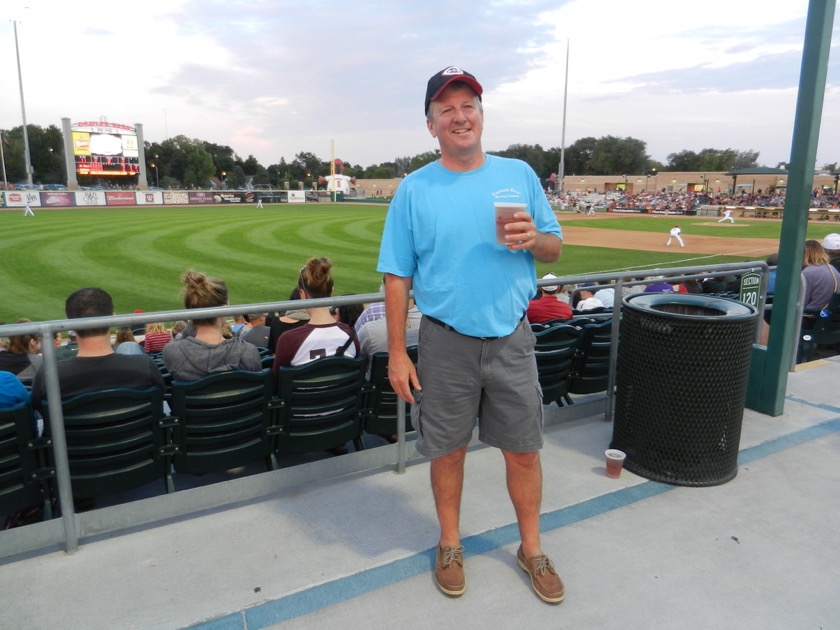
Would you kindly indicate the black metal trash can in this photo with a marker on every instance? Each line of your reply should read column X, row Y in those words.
column 683, row 366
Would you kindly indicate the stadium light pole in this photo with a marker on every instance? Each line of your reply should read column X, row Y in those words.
column 26, row 156
column 3, row 160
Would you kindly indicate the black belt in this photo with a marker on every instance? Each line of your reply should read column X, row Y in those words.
column 446, row 326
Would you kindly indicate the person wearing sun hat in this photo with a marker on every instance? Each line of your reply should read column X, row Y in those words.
column 476, row 349
column 546, row 307
column 831, row 245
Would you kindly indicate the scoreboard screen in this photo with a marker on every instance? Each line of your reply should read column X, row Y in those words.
column 103, row 148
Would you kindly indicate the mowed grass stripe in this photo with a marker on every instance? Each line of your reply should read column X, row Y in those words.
column 139, row 254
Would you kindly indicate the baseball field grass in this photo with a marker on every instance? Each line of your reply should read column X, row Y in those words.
column 139, row 254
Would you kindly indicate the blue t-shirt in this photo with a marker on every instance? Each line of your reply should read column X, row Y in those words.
column 440, row 232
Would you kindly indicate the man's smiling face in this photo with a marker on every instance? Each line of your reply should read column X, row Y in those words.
column 457, row 121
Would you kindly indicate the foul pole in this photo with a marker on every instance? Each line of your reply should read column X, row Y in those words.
column 562, row 170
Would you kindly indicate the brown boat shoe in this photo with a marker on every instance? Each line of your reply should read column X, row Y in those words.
column 449, row 570
column 547, row 584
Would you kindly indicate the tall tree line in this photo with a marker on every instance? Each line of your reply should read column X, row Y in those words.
column 191, row 162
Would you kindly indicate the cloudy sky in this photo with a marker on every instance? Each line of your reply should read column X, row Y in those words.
column 274, row 78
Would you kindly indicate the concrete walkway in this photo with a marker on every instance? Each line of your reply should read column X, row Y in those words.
column 761, row 551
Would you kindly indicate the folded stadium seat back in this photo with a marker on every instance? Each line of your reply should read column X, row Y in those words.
column 24, row 473
column 320, row 405
column 826, row 331
column 222, row 421
column 382, row 402
column 117, row 439
column 556, row 350
column 266, row 361
column 592, row 372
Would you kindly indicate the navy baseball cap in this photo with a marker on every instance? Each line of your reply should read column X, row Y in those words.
column 440, row 80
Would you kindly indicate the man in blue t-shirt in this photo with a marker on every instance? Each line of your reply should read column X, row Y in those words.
column 476, row 349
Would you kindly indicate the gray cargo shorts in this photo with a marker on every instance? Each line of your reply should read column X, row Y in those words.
column 467, row 380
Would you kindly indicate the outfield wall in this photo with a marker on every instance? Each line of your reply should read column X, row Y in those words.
column 99, row 198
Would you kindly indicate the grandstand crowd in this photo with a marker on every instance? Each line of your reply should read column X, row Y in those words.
column 685, row 201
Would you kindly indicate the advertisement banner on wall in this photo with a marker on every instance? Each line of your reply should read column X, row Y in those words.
column 90, row 198
column 56, row 199
column 148, row 198
column 297, row 196
column 228, row 197
column 21, row 198
column 629, row 210
column 120, row 198
column 201, row 197
column 174, row 197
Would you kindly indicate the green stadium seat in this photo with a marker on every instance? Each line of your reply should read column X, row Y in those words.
column 320, row 405
column 117, row 439
column 382, row 402
column 222, row 421
column 24, row 473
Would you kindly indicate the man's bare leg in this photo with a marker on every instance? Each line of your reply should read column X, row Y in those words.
column 447, row 474
column 524, row 482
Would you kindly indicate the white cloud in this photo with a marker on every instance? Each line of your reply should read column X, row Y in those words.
column 274, row 78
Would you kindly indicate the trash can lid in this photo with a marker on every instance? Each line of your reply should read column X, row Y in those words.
column 689, row 306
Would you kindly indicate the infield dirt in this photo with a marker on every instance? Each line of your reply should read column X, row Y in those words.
column 575, row 232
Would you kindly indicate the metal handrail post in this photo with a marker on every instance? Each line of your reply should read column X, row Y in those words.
column 609, row 412
column 59, row 443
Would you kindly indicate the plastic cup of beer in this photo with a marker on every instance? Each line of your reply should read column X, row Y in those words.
column 615, row 462
column 504, row 215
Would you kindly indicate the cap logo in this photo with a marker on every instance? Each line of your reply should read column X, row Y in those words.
column 451, row 71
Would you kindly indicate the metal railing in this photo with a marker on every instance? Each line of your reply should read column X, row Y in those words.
column 159, row 508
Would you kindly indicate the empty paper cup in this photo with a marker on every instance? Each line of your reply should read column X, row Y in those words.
column 615, row 462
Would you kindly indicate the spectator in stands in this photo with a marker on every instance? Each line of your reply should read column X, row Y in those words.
column 373, row 311
column 12, row 391
column 258, row 332
column 125, row 343
column 821, row 281
column 660, row 287
column 239, row 323
column 138, row 329
column 348, row 313
column 589, row 304
column 190, row 358
column 69, row 349
column 772, row 261
column 322, row 336
column 605, row 293
column 546, row 306
column 717, row 284
column 831, row 245
column 96, row 365
column 691, row 285
column 156, row 337
column 584, row 298
column 632, row 289
column 373, row 337
column 22, row 356
column 177, row 328
column 292, row 318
